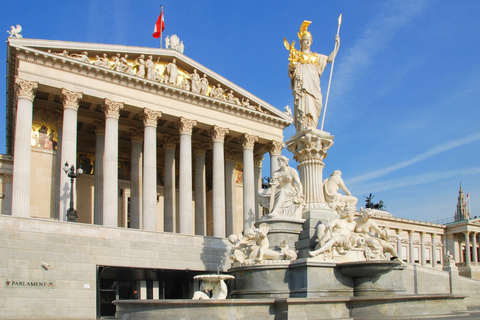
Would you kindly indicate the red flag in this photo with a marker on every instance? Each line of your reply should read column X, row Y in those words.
column 159, row 26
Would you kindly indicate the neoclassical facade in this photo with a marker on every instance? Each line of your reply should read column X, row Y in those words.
column 171, row 154
column 172, row 158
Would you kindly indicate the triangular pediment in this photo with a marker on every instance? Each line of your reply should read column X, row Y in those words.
column 89, row 56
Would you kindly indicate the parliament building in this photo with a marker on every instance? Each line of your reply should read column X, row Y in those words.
column 171, row 157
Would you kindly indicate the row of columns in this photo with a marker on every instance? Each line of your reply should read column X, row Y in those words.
column 423, row 248
column 143, row 177
column 471, row 256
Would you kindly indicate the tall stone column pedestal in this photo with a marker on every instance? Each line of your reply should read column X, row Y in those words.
column 307, row 238
column 282, row 229
column 309, row 148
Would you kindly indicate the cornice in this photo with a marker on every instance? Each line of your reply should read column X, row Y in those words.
column 71, row 65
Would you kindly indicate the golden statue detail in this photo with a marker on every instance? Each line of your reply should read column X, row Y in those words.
column 305, row 69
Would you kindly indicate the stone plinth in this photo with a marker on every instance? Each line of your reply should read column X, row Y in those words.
column 282, row 229
column 299, row 278
column 309, row 148
column 307, row 239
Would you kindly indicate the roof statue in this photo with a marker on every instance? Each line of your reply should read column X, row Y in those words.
column 15, row 31
column 174, row 43
column 305, row 69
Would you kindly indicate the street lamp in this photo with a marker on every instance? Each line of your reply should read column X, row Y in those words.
column 70, row 172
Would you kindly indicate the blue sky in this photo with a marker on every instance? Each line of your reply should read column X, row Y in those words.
column 404, row 99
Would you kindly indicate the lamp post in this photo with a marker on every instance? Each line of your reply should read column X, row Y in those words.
column 70, row 172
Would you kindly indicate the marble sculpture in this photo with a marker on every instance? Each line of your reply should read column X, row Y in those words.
column 284, row 198
column 254, row 247
column 304, row 70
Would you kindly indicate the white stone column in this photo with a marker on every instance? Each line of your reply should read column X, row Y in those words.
column 474, row 248
column 248, row 143
column 218, row 136
column 98, row 175
column 7, row 208
column 69, row 146
column 22, row 156
column 399, row 244
column 257, row 162
column 136, row 178
column 230, row 190
column 467, row 248
column 169, row 145
column 110, row 163
column 275, row 149
column 185, row 208
column 434, row 251
column 423, row 259
column 149, row 191
column 58, row 161
column 199, row 151
column 411, row 247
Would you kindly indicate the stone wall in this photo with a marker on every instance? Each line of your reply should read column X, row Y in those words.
column 424, row 280
column 71, row 253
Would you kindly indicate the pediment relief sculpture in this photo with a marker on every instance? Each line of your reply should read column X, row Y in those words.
column 164, row 72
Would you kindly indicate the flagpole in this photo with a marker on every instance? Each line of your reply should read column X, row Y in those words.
column 161, row 33
column 331, row 72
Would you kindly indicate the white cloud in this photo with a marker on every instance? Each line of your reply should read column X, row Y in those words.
column 376, row 37
column 418, row 179
column 423, row 156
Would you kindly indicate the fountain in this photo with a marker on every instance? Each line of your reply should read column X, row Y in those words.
column 214, row 283
column 308, row 256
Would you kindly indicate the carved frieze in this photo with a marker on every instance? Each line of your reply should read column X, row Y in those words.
column 143, row 78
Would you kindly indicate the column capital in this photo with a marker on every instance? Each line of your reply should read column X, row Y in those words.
column 71, row 99
column 399, row 231
column 248, row 141
column 275, row 147
column 8, row 178
column 58, row 118
column 169, row 142
column 231, row 155
column 185, row 126
column 150, row 117
column 411, row 232
column 25, row 89
column 466, row 233
column 218, row 134
column 136, row 135
column 99, row 127
column 257, row 160
column 423, row 233
column 112, row 108
column 199, row 148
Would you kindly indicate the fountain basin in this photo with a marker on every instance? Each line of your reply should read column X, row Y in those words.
column 364, row 273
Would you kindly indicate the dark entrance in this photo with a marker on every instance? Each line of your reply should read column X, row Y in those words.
column 116, row 283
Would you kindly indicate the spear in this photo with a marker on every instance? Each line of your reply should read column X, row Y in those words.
column 331, row 72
